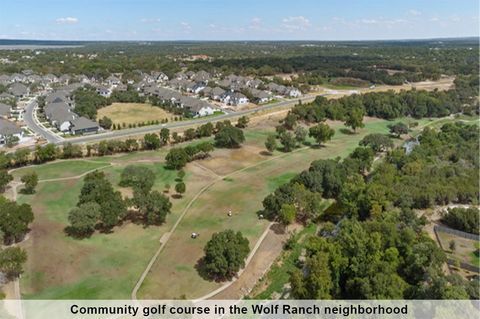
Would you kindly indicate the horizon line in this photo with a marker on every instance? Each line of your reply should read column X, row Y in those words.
column 251, row 40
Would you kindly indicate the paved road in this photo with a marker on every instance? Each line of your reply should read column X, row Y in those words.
column 32, row 123
column 156, row 128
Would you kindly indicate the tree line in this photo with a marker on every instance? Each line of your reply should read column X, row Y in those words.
column 372, row 245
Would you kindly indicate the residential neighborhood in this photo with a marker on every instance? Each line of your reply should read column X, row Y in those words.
column 196, row 94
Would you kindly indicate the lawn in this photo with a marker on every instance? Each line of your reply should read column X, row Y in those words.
column 248, row 176
column 133, row 113
column 104, row 266
column 108, row 265
column 60, row 169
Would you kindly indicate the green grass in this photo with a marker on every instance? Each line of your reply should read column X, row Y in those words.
column 279, row 273
column 59, row 169
column 104, row 266
column 276, row 181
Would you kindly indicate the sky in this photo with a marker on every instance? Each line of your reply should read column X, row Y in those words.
column 237, row 19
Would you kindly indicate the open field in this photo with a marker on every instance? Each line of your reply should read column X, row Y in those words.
column 60, row 169
column 464, row 248
column 248, row 177
column 109, row 265
column 133, row 113
column 103, row 266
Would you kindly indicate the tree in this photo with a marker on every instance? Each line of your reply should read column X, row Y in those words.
column 225, row 254
column 105, row 122
column 321, row 133
column 70, row 150
column 287, row 214
column 84, row 218
column 30, row 180
column 11, row 140
column 5, row 178
column 46, row 153
column 398, row 129
column 14, row 220
column 301, row 134
column 464, row 219
column 290, row 121
column 11, row 261
column 189, row 134
column 229, row 137
column 176, row 158
column 154, row 206
column 164, row 135
column 271, row 143
column 180, row 188
column 378, row 142
column 205, row 130
column 243, row 122
column 355, row 118
column 140, row 178
column 151, row 141
column 288, row 141
column 181, row 174
column 96, row 188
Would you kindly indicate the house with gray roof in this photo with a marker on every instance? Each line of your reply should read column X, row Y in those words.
column 19, row 90
column 217, row 93
column 59, row 115
column 8, row 129
column 5, row 110
column 261, row 96
column 82, row 125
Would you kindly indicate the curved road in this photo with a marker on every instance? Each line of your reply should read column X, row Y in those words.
column 32, row 123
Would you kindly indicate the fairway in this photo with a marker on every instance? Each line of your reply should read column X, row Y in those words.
column 249, row 177
column 133, row 113
column 109, row 265
column 104, row 266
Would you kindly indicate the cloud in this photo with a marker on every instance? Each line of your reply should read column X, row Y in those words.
column 414, row 12
column 186, row 26
column 369, row 21
column 296, row 23
column 67, row 20
column 150, row 20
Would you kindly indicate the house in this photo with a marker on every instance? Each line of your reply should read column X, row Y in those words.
column 19, row 90
column 198, row 87
column 4, row 79
column 82, row 125
column 6, row 97
column 292, row 92
column 8, row 129
column 159, row 77
column 261, row 96
column 254, row 83
column 5, row 110
column 197, row 107
column 234, row 98
column 104, row 91
column 50, row 78
column 201, row 76
column 217, row 93
column 59, row 115
column 64, row 79
column 58, row 97
column 113, row 81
